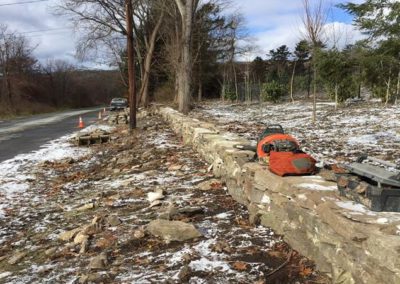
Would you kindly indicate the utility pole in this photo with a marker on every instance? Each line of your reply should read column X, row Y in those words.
column 131, row 64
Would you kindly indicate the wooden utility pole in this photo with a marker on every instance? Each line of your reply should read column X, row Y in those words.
column 131, row 64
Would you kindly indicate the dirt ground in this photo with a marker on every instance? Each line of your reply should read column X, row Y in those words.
column 83, row 219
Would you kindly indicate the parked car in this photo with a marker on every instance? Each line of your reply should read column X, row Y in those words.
column 118, row 104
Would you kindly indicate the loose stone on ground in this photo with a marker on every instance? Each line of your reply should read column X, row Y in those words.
column 94, row 222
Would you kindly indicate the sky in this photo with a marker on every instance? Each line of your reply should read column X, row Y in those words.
column 270, row 23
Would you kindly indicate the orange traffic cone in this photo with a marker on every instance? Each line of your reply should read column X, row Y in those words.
column 81, row 124
column 100, row 115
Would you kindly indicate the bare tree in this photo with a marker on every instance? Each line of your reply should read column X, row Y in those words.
column 314, row 20
column 235, row 37
column 186, row 10
column 59, row 74
column 147, row 15
column 102, row 21
column 15, row 59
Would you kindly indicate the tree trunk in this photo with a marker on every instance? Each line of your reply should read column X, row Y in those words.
column 292, row 81
column 336, row 96
column 223, row 87
column 144, row 90
column 8, row 86
column 309, row 81
column 185, row 69
column 398, row 86
column 388, row 90
column 200, row 91
column 314, row 113
column 359, row 84
column 236, row 83
column 131, row 65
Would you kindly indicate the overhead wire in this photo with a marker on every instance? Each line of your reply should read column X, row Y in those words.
column 22, row 3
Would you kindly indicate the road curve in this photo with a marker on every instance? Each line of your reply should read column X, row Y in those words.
column 24, row 135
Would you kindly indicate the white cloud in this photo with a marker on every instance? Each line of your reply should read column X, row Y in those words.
column 55, row 37
column 271, row 22
column 278, row 22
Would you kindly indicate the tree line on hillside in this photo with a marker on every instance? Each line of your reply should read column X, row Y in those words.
column 28, row 86
column 189, row 50
column 371, row 65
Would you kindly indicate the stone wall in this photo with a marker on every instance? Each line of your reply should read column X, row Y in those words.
column 346, row 240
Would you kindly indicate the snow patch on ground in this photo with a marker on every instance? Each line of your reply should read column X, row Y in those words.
column 16, row 173
column 363, row 140
column 339, row 135
column 95, row 127
column 355, row 207
column 205, row 264
column 313, row 186
column 12, row 188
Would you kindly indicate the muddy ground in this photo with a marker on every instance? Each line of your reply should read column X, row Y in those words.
column 83, row 219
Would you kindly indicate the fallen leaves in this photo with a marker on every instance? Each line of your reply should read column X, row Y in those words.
column 240, row 266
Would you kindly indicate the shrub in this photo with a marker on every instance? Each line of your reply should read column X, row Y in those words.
column 272, row 91
column 229, row 94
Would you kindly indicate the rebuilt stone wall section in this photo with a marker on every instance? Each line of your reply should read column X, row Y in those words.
column 350, row 249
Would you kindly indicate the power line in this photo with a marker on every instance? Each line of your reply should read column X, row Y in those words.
column 28, row 33
column 50, row 34
column 44, row 30
column 21, row 3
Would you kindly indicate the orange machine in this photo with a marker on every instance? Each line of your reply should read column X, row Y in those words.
column 283, row 152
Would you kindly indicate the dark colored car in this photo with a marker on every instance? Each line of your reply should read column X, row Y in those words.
column 118, row 104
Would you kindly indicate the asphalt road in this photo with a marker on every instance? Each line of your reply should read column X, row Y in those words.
column 24, row 135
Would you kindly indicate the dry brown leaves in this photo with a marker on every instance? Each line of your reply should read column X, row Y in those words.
column 240, row 266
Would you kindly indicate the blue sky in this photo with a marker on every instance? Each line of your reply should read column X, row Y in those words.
column 271, row 23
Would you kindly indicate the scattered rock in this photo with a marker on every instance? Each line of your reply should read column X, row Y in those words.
column 86, row 207
column 328, row 175
column 84, row 246
column 184, row 274
column 155, row 203
column 91, row 229
column 80, row 238
column 173, row 230
column 113, row 220
column 185, row 168
column 221, row 246
column 98, row 262
column 151, row 173
column 90, row 278
column 50, row 252
column 191, row 211
column 169, row 212
column 5, row 274
column 98, row 219
column 68, row 235
column 175, row 168
column 16, row 258
column 139, row 234
column 210, row 184
column 157, row 195
column 147, row 154
column 124, row 161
